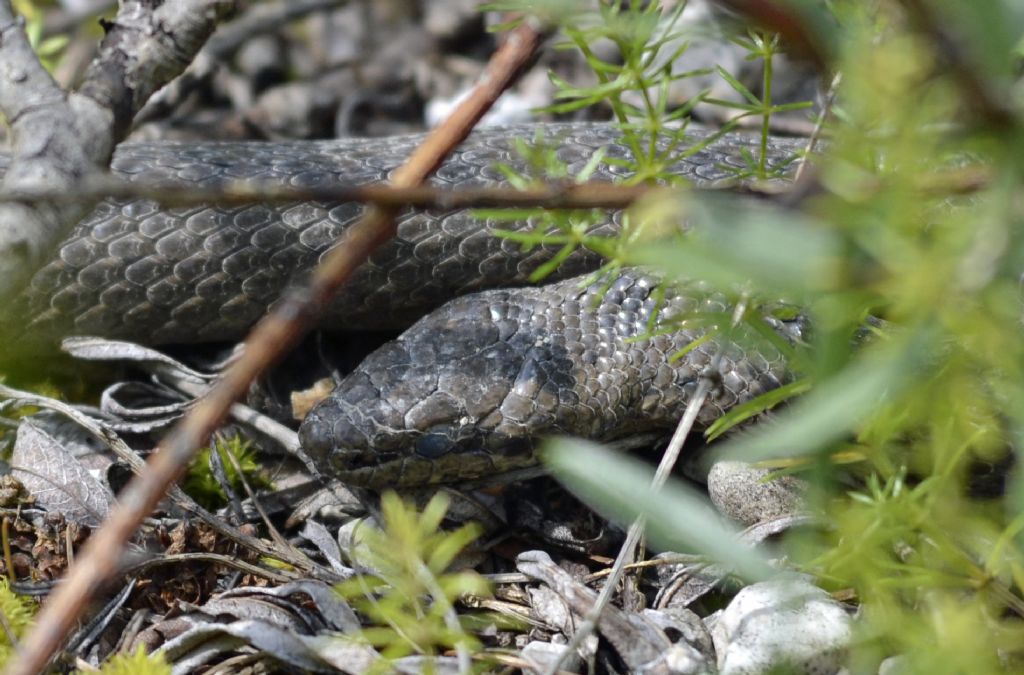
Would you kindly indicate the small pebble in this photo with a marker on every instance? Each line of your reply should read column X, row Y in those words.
column 741, row 493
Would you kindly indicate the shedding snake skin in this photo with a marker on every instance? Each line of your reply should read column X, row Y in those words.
column 468, row 388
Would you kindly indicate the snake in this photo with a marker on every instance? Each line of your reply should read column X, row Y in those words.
column 487, row 365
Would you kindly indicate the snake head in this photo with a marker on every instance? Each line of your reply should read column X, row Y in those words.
column 448, row 400
column 466, row 391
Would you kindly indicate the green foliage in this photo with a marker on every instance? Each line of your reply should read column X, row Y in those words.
column 926, row 91
column 200, row 483
column 138, row 663
column 409, row 595
column 49, row 49
column 18, row 612
column 635, row 84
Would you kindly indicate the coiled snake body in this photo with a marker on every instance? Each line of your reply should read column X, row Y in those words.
column 468, row 388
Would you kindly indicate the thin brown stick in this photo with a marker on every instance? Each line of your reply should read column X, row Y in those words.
column 5, row 539
column 213, row 558
column 275, row 333
column 553, row 195
column 557, row 195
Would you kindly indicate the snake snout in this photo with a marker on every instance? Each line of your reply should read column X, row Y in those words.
column 336, row 434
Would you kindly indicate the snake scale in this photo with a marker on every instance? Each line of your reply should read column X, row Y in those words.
column 469, row 387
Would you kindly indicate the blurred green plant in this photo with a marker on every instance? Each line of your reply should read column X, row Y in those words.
column 408, row 595
column 136, row 663
column 49, row 49
column 896, row 225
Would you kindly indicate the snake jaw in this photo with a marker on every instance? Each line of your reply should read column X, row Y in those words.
column 356, row 449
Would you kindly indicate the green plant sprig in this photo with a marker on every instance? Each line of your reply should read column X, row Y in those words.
column 409, row 594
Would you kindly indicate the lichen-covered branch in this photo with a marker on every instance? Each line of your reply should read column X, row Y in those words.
column 59, row 137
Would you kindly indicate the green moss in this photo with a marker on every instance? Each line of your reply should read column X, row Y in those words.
column 18, row 612
column 203, row 487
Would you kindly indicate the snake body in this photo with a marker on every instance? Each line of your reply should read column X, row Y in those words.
column 463, row 392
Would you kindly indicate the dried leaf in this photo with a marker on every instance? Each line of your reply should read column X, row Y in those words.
column 58, row 480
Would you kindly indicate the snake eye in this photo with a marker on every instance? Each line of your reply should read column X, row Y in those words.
column 433, row 445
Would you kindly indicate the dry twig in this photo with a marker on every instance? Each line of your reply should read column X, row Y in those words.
column 591, row 195
column 636, row 530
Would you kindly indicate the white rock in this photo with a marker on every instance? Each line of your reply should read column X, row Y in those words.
column 741, row 492
column 510, row 108
column 785, row 623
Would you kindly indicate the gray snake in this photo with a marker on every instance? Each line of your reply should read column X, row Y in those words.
column 468, row 388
